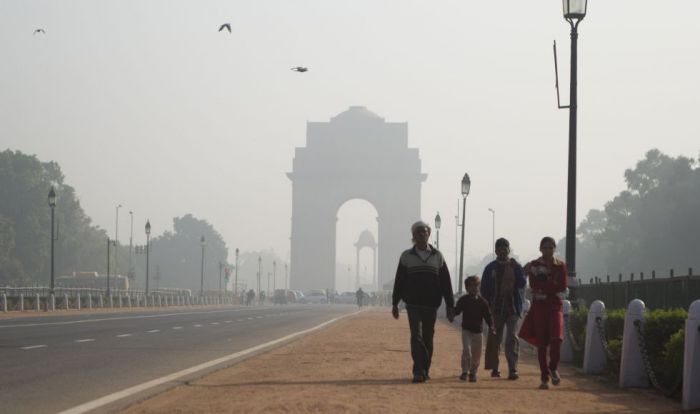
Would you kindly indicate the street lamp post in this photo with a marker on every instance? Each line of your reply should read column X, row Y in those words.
column 574, row 12
column 131, row 244
column 274, row 275
column 286, row 279
column 148, row 250
column 52, row 204
column 221, row 268
column 235, row 289
column 438, row 223
column 116, row 243
column 493, row 231
column 109, row 242
column 466, row 184
column 203, row 243
column 259, row 273
column 457, row 225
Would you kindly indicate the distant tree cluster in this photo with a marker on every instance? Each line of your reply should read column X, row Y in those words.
column 653, row 225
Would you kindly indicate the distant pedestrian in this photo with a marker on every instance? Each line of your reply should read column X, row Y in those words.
column 544, row 324
column 359, row 296
column 475, row 311
column 502, row 285
column 422, row 282
column 250, row 297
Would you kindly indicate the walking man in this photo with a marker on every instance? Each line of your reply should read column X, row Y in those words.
column 422, row 282
column 502, row 286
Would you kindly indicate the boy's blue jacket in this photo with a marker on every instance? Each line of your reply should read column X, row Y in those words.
column 488, row 285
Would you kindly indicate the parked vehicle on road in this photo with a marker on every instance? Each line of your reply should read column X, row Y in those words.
column 346, row 298
column 316, row 296
column 280, row 297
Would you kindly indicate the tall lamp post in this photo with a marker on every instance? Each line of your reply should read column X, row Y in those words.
column 235, row 289
column 438, row 223
column 52, row 204
column 493, row 231
column 574, row 12
column 116, row 244
column 274, row 275
column 259, row 273
column 221, row 268
column 286, row 279
column 131, row 243
column 148, row 249
column 202, row 243
column 466, row 184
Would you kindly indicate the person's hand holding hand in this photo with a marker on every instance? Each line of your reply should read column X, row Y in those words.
column 450, row 313
column 395, row 312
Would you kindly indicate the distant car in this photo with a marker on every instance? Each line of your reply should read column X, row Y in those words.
column 316, row 296
column 298, row 296
column 346, row 298
column 280, row 297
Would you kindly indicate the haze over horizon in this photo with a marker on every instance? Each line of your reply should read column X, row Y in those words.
column 147, row 105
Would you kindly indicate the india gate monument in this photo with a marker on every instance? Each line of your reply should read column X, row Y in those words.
column 357, row 155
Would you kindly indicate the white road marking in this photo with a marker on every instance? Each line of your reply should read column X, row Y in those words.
column 177, row 327
column 250, row 319
column 215, row 323
column 107, row 399
column 240, row 320
column 228, row 321
column 85, row 340
column 197, row 325
column 33, row 347
column 123, row 335
column 154, row 330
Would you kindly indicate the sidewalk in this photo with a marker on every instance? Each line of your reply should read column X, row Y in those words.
column 361, row 364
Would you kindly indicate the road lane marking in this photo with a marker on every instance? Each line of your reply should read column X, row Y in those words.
column 33, row 347
column 197, row 325
column 153, row 331
column 215, row 323
column 120, row 318
column 177, row 327
column 85, row 340
column 228, row 321
column 123, row 335
column 240, row 320
column 107, row 399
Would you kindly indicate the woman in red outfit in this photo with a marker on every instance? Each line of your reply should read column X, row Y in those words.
column 543, row 326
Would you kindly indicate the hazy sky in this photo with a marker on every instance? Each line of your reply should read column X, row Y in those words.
column 144, row 103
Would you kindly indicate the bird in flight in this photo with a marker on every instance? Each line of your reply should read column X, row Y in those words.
column 300, row 69
column 39, row 31
column 226, row 26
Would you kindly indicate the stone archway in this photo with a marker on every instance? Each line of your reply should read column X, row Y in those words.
column 366, row 239
column 355, row 155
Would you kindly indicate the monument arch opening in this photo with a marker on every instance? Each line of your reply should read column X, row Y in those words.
column 356, row 247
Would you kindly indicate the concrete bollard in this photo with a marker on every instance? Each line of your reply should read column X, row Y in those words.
column 21, row 302
column 128, row 301
column 111, row 302
column 691, row 359
column 77, row 304
column 4, row 303
column 89, row 300
column 160, row 301
column 52, row 302
column 632, row 370
column 65, row 301
column 594, row 358
column 37, row 302
column 567, row 349
column 119, row 300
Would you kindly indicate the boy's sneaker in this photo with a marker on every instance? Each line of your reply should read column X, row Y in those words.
column 544, row 386
column 556, row 379
column 463, row 377
column 495, row 373
column 472, row 377
column 513, row 375
column 418, row 378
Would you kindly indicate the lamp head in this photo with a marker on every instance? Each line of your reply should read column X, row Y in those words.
column 148, row 227
column 575, row 9
column 438, row 221
column 202, row 241
column 52, row 197
column 466, row 185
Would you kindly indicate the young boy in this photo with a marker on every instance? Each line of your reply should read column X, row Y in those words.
column 474, row 310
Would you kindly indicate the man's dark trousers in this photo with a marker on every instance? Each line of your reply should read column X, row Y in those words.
column 421, row 320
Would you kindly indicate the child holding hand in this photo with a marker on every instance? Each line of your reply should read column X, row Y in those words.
column 474, row 310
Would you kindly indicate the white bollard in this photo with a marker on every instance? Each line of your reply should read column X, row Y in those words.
column 52, row 302
column 128, row 301
column 21, row 302
column 111, row 302
column 65, row 301
column 119, row 298
column 567, row 349
column 37, row 302
column 77, row 304
column 632, row 370
column 4, row 303
column 101, row 302
column 89, row 300
column 160, row 301
column 691, row 359
column 594, row 358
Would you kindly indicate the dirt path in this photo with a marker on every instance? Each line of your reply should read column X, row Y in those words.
column 362, row 365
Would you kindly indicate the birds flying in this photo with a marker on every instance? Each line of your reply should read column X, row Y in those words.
column 226, row 26
column 39, row 31
column 300, row 69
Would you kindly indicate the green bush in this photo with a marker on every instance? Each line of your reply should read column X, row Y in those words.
column 672, row 358
column 664, row 344
column 577, row 325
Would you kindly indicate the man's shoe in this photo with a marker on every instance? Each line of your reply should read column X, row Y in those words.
column 472, row 377
column 427, row 377
column 495, row 373
column 463, row 377
column 513, row 375
column 544, row 386
column 556, row 379
column 418, row 378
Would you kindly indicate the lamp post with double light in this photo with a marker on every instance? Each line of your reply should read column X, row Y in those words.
column 116, row 244
column 493, row 231
column 466, row 185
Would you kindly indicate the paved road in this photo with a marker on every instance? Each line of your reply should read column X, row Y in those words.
column 48, row 364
